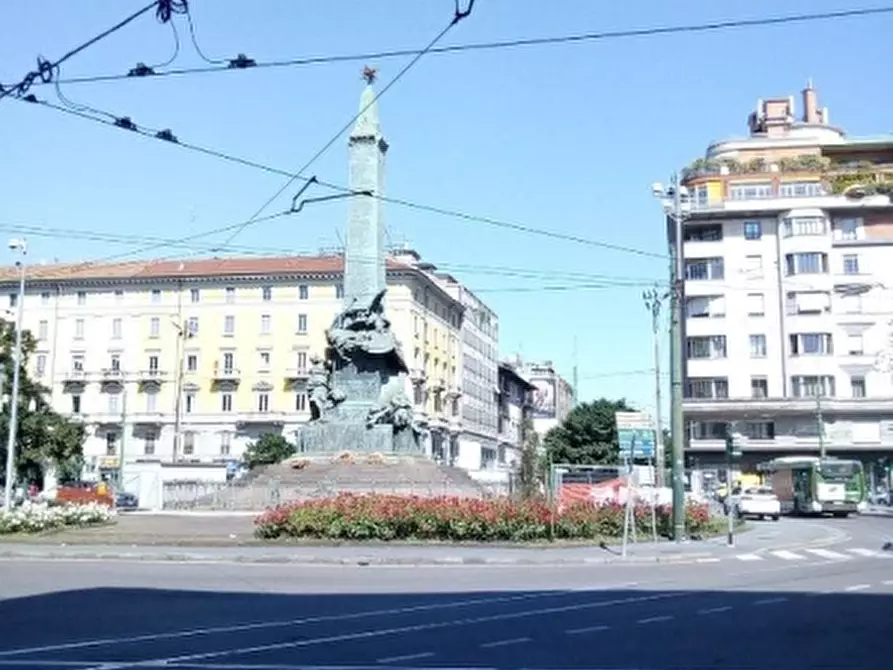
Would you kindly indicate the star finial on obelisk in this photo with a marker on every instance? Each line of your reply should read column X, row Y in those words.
column 370, row 74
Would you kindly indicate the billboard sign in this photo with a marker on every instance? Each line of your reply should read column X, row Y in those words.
column 635, row 434
column 543, row 398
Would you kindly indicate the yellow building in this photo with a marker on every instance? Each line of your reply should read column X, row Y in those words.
column 215, row 351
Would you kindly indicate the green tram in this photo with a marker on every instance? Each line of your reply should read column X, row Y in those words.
column 809, row 485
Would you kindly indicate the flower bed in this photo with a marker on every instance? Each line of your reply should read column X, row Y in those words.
column 38, row 517
column 392, row 517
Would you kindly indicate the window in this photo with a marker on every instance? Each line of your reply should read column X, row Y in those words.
column 339, row 290
column 230, row 296
column 113, row 404
column 151, row 401
column 119, row 295
column 854, row 345
column 195, row 295
column 75, row 403
column 801, row 189
column 111, row 444
column 43, row 330
column 758, row 430
column 703, row 233
column 77, row 362
column 82, row 298
column 265, row 324
column 707, row 430
column 750, row 190
column 13, row 299
column 707, row 387
column 156, row 296
column 753, row 230
column 153, row 362
column 226, row 443
column 847, row 230
column 192, row 326
column 45, row 298
column 705, row 307
column 266, row 293
column 189, row 402
column 149, row 445
column 808, row 302
column 302, row 323
column 759, row 387
column 263, row 362
column 40, row 365
column 117, row 328
column 155, row 327
column 811, row 344
column 192, row 362
column 303, row 292
column 698, row 269
column 301, row 360
column 812, row 386
column 263, row 402
column 804, row 226
column 806, row 263
column 188, row 444
column 79, row 329
column 115, row 362
column 229, row 325
column 851, row 264
column 758, row 346
column 226, row 402
column 710, row 346
column 300, row 402
column 857, row 385
column 229, row 362
column 756, row 304
column 753, row 267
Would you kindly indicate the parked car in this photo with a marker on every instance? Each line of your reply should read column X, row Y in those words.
column 125, row 500
column 755, row 502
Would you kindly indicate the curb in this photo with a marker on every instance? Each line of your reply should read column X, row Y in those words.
column 299, row 559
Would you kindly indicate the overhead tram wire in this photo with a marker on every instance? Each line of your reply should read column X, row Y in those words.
column 632, row 33
column 125, row 123
column 47, row 70
column 458, row 16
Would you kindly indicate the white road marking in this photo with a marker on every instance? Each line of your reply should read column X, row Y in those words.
column 770, row 601
column 655, row 619
column 827, row 553
column 261, row 625
column 708, row 560
column 381, row 632
column 868, row 553
column 857, row 587
column 588, row 629
column 406, row 657
column 504, row 643
column 888, row 582
column 787, row 555
column 715, row 610
column 749, row 557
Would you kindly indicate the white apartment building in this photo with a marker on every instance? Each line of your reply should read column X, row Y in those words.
column 788, row 252
column 515, row 407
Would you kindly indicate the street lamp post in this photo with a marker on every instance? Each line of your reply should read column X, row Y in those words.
column 676, row 206
column 20, row 246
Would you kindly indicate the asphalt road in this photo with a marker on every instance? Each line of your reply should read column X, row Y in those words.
column 757, row 616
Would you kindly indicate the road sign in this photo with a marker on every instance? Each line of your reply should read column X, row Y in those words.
column 633, row 420
column 636, row 442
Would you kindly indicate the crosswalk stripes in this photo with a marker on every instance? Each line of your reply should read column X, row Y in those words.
column 843, row 554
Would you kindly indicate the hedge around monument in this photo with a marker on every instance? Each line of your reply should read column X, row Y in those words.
column 377, row 517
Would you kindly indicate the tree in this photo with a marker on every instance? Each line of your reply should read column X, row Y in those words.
column 269, row 449
column 531, row 467
column 588, row 436
column 44, row 437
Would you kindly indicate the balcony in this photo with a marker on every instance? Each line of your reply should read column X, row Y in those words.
column 152, row 375
column 227, row 374
column 261, row 418
column 147, row 418
column 754, row 408
column 111, row 375
column 297, row 374
column 75, row 375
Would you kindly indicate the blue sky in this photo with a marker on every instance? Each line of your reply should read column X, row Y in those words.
column 565, row 138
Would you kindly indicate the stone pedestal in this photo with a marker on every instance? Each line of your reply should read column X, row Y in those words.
column 340, row 436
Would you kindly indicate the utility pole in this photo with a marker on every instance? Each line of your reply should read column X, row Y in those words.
column 674, row 208
column 21, row 246
column 123, row 434
column 182, row 333
column 820, row 423
column 576, row 378
column 653, row 303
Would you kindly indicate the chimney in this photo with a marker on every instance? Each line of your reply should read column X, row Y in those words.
column 810, row 104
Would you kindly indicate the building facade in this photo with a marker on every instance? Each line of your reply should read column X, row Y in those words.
column 515, row 410
column 553, row 395
column 191, row 360
column 788, row 255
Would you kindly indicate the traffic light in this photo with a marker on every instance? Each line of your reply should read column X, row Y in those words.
column 733, row 445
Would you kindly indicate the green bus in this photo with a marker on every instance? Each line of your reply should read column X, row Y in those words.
column 809, row 485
